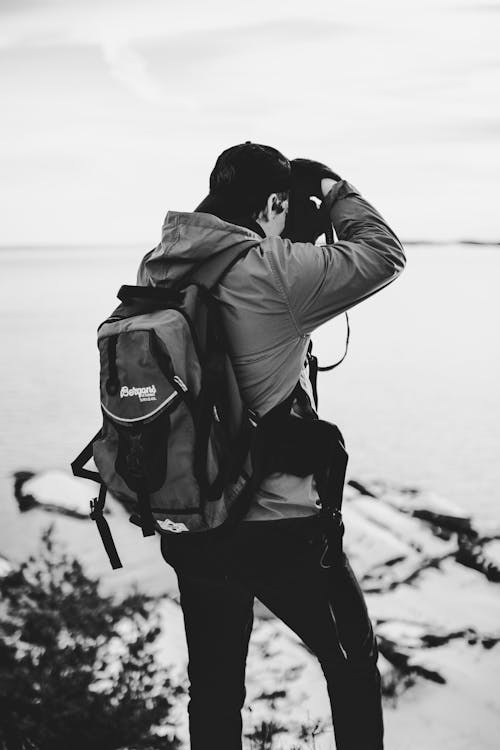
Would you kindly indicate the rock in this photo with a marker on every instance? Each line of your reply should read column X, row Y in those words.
column 54, row 491
column 434, row 607
column 481, row 558
column 428, row 506
column 407, row 662
column 371, row 548
column 492, row 551
column 6, row 567
column 25, row 501
column 429, row 571
column 361, row 488
column 386, row 546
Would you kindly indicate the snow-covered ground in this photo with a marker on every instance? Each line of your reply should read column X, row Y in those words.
column 430, row 573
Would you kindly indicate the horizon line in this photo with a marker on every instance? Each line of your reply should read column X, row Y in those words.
column 120, row 245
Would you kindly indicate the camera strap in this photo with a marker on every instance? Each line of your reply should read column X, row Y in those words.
column 315, row 367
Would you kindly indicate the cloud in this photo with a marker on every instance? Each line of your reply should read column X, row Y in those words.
column 125, row 30
column 112, row 28
column 103, row 97
column 128, row 67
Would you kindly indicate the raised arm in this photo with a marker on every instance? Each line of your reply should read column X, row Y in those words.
column 322, row 281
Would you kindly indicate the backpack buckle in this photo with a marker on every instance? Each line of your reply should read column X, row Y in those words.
column 95, row 510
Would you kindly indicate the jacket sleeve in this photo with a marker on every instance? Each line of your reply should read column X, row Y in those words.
column 321, row 282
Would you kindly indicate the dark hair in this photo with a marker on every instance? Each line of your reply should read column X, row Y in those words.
column 245, row 175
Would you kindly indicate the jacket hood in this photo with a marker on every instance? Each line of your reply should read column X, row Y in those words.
column 192, row 240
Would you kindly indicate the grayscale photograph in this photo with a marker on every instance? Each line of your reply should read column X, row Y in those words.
column 250, row 367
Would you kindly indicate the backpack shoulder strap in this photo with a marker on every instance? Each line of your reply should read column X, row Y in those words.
column 78, row 465
column 97, row 504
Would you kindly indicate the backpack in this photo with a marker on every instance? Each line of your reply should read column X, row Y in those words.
column 178, row 446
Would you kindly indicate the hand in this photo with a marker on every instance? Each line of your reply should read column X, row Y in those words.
column 308, row 176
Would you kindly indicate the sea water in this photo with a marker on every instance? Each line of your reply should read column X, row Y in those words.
column 417, row 398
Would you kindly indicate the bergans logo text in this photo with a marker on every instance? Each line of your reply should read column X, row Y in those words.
column 147, row 393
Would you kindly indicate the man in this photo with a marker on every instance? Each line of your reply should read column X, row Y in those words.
column 271, row 300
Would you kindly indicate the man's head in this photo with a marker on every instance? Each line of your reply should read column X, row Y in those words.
column 251, row 182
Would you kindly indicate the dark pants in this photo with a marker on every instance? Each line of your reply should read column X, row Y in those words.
column 278, row 562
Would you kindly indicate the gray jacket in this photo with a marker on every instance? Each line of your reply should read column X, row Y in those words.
column 275, row 296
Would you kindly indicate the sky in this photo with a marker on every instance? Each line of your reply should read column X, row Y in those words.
column 114, row 111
